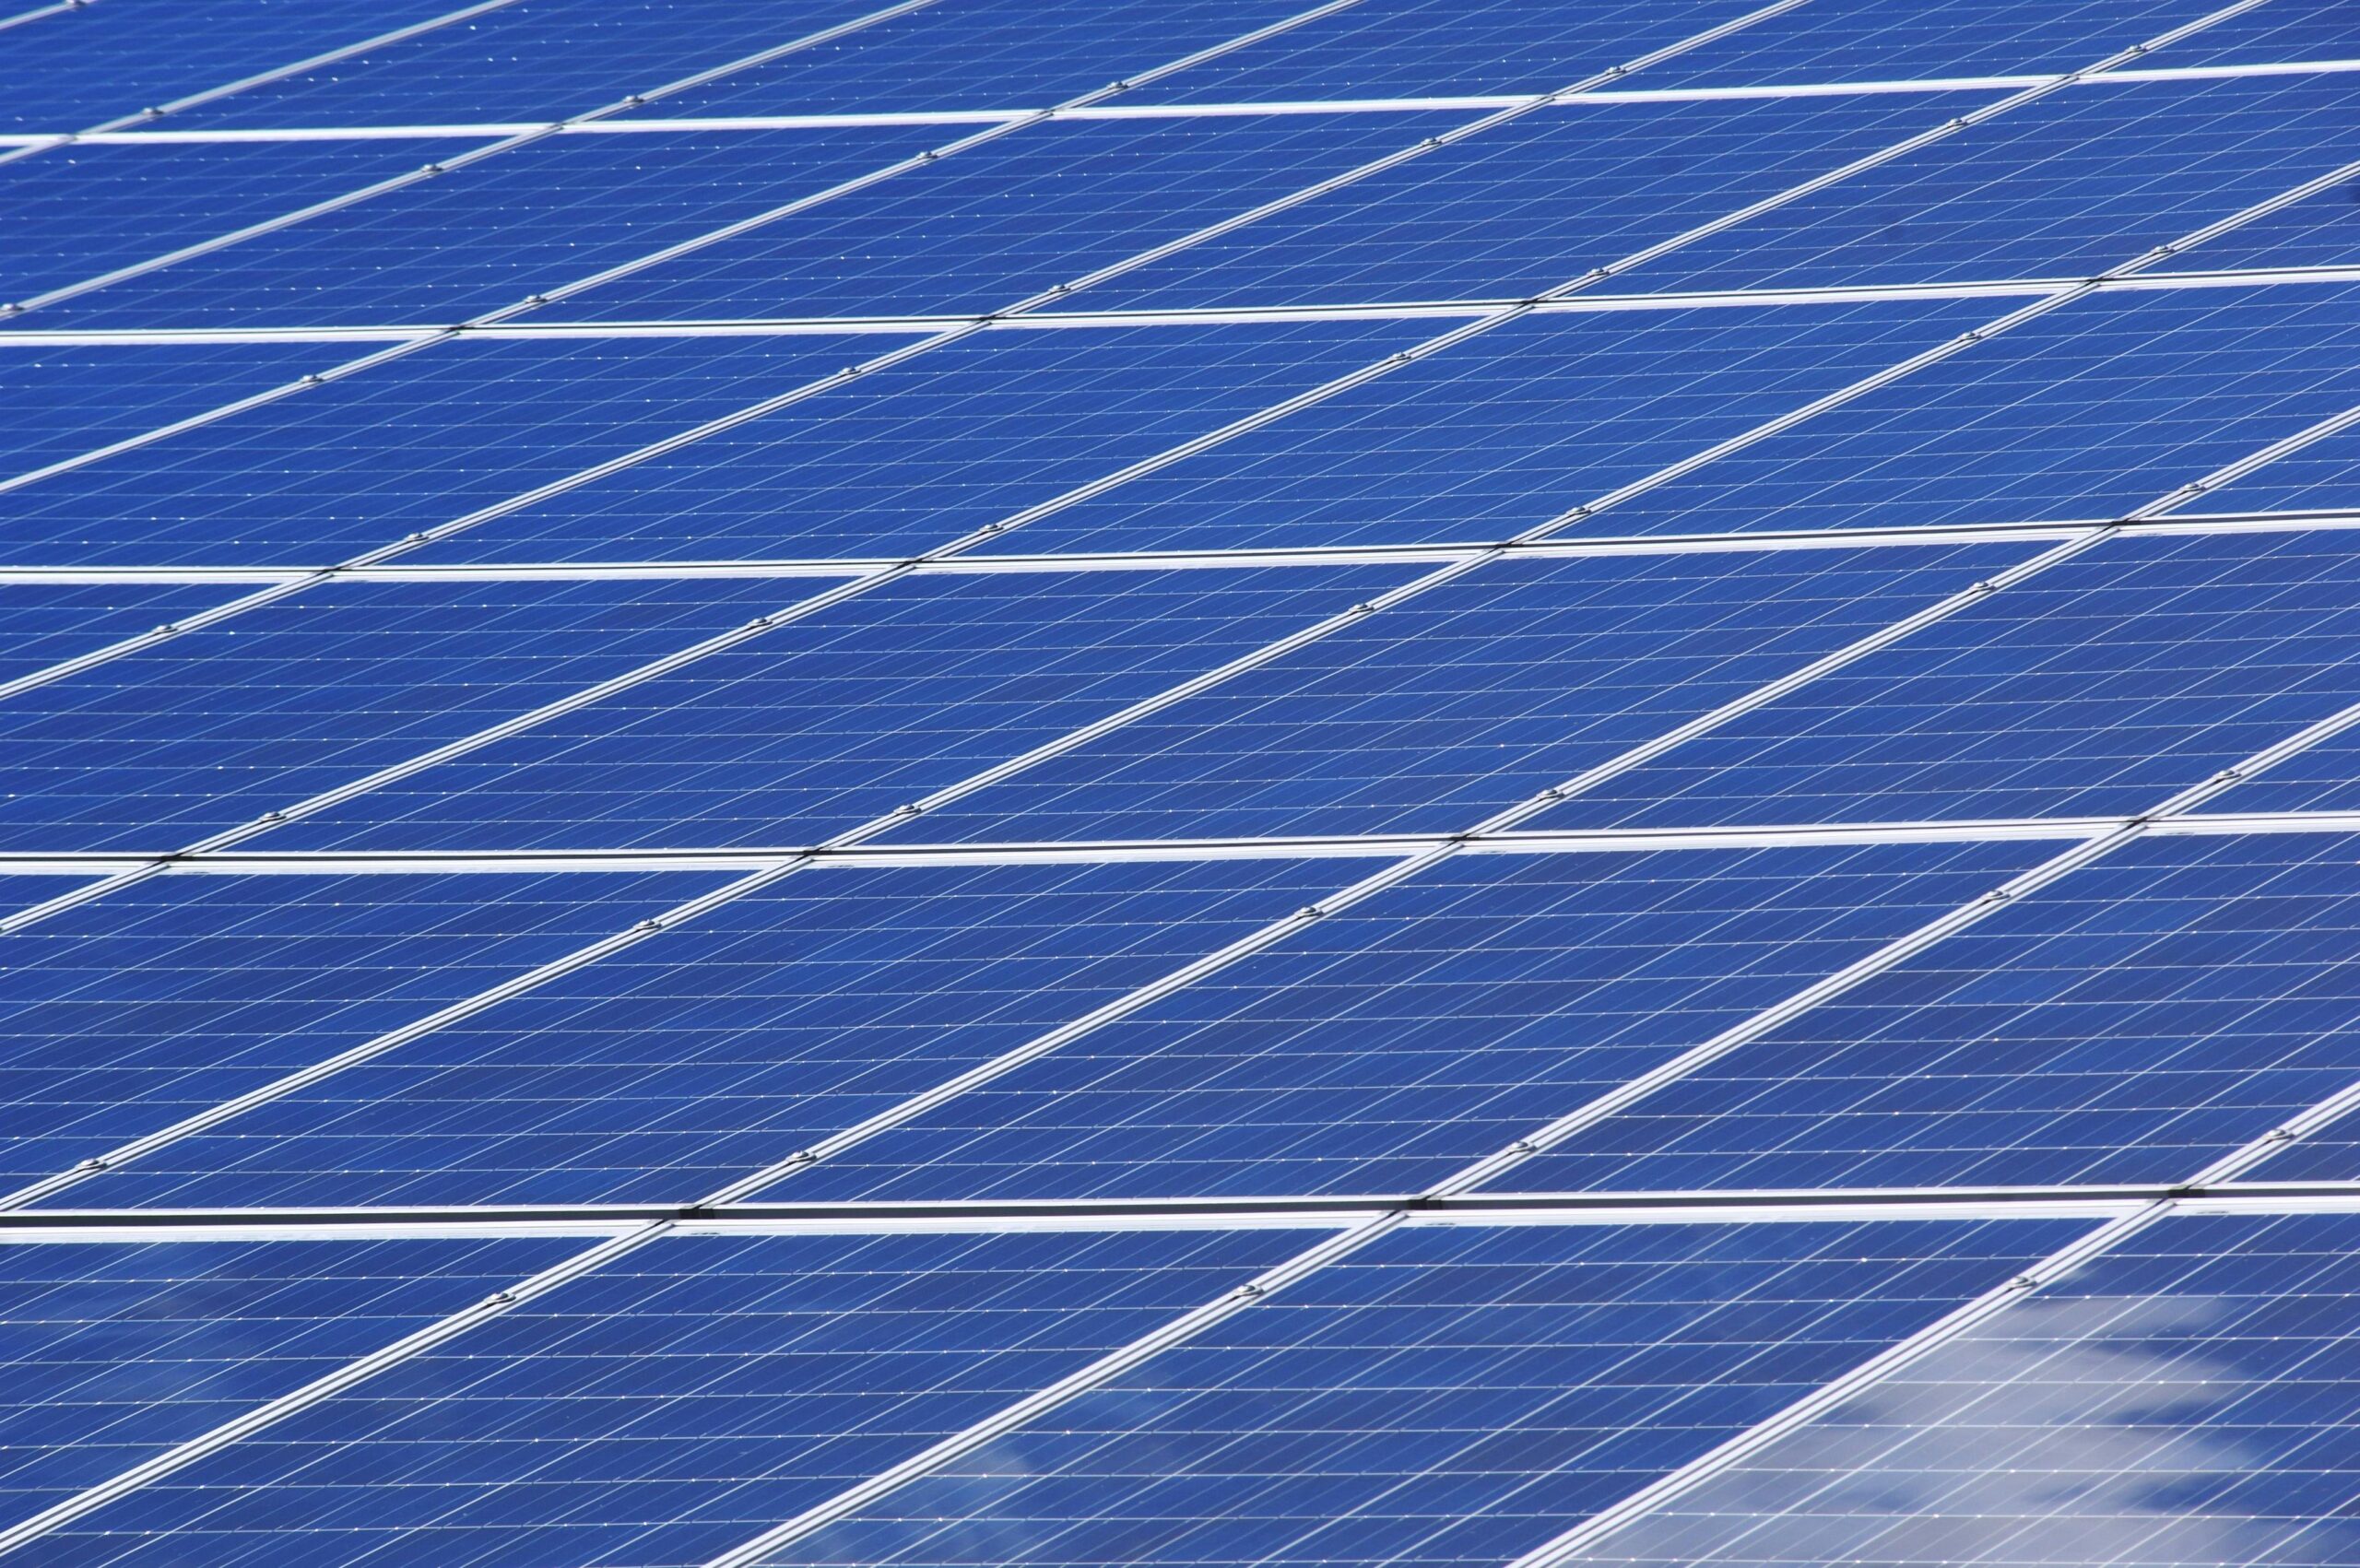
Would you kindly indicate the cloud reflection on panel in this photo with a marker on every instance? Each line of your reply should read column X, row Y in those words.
column 2125, row 1431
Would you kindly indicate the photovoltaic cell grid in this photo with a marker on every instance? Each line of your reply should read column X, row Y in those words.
column 1479, row 782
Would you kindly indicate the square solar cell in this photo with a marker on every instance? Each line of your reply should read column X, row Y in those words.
column 1428, row 48
column 46, row 623
column 207, row 730
column 1867, row 41
column 1009, row 218
column 992, row 55
column 674, row 1402
column 1505, row 430
column 836, row 719
column 2100, row 687
column 531, row 60
column 2186, row 1397
column 1399, row 1040
column 912, row 457
column 1444, row 1396
column 1533, row 203
column 478, row 238
column 2091, row 412
column 721, row 1047
column 2133, row 1022
column 71, row 215
column 159, row 1001
column 1432, row 714
column 2071, row 185
column 360, row 462
column 70, row 70
column 62, row 402
column 112, row 1352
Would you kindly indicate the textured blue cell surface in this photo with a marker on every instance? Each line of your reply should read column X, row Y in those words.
column 1418, row 1032
column 1530, row 204
column 2069, row 185
column 992, row 55
column 1430, row 715
column 484, row 236
column 1010, row 218
column 2193, row 1383
column 531, row 61
column 2315, row 231
column 64, row 402
column 703, row 1056
column 2133, row 1022
column 2101, row 686
column 43, row 624
column 840, row 717
column 1868, row 40
column 207, row 730
column 1428, row 48
column 432, row 437
column 74, row 69
column 74, row 215
column 1503, row 432
column 128, row 1013
column 2094, row 410
column 981, row 431
column 1443, row 1395
column 114, row 1351
column 675, row 1402
column 2279, row 33
column 2319, row 474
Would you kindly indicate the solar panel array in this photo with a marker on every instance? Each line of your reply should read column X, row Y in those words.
column 1036, row 783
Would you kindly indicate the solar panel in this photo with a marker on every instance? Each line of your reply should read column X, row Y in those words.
column 1021, row 784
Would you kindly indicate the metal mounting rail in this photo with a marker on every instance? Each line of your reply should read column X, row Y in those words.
column 17, row 148
column 1555, row 547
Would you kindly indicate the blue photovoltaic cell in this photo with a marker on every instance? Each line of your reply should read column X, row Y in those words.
column 1442, row 1397
column 80, row 67
column 1431, row 715
column 674, row 1402
column 839, row 718
column 112, row 1352
column 2100, row 687
column 45, row 623
column 537, row 60
column 2185, row 1398
column 1009, row 218
column 2273, row 35
column 1402, row 1039
column 980, row 55
column 124, row 1015
column 2323, row 776
column 2321, row 476
column 485, row 236
column 411, row 444
column 206, row 731
column 909, row 458
column 1505, row 430
column 60, row 401
column 2091, row 412
column 70, row 215
column 2069, row 185
column 1421, row 48
column 719, row 1048
column 1868, row 40
column 2315, row 231
column 1530, row 204
column 2134, row 1022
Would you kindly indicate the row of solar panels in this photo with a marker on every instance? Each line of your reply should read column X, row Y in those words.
column 1486, row 1015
